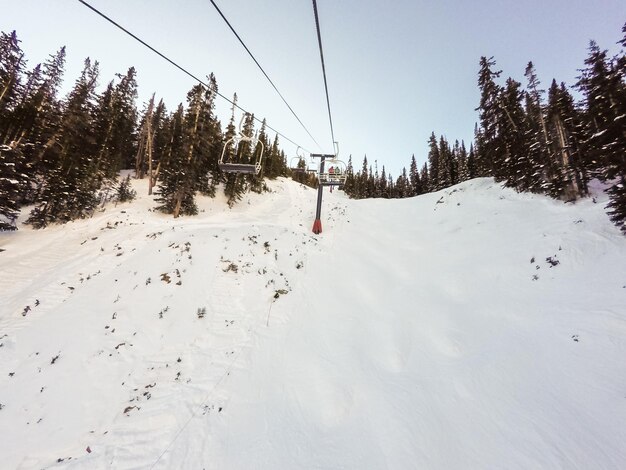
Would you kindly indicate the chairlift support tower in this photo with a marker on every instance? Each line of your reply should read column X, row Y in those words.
column 324, row 179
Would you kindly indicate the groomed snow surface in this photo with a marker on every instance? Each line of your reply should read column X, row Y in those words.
column 473, row 328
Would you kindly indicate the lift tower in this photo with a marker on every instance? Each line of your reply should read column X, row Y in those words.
column 335, row 176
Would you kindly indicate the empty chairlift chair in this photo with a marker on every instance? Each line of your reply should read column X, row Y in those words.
column 231, row 164
column 298, row 164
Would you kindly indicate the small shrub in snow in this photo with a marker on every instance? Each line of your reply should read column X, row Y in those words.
column 125, row 192
column 552, row 261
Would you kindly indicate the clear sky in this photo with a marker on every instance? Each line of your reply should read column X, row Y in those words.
column 397, row 69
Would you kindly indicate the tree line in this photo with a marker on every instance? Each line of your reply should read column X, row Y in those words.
column 63, row 155
column 528, row 143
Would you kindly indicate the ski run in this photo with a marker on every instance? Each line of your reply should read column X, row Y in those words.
column 472, row 328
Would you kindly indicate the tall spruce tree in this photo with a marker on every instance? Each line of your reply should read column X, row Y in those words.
column 472, row 170
column 444, row 164
column 536, row 169
column 513, row 165
column 489, row 111
column 433, row 163
column 350, row 186
column 462, row 162
column 12, row 64
column 160, row 140
column 382, row 184
column 206, row 140
column 46, row 125
column 14, row 178
column 70, row 189
column 604, row 89
column 402, row 186
column 566, row 131
column 414, row 178
column 362, row 190
column 425, row 179
column 172, row 190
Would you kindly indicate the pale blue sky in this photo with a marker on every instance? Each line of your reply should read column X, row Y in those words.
column 397, row 70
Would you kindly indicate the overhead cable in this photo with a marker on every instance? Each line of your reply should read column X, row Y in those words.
column 319, row 40
column 263, row 71
column 163, row 56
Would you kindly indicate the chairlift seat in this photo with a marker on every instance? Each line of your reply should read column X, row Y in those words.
column 332, row 179
column 244, row 168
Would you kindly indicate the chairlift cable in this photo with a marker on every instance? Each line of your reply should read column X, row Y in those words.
column 263, row 71
column 319, row 40
column 163, row 56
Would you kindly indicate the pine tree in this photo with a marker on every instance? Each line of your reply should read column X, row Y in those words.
column 145, row 142
column 414, row 178
column 488, row 145
column 402, row 186
column 115, row 123
column 206, row 141
column 454, row 162
column 350, row 186
column 425, row 179
column 124, row 138
column 46, row 125
column 382, row 184
column 566, row 131
column 472, row 170
column 600, row 84
column 480, row 164
column 362, row 180
column 536, row 169
column 213, row 139
column 160, row 140
column 445, row 162
column 125, row 191
column 173, row 189
column 433, row 164
column 199, row 149
column 391, row 187
column 104, row 118
column 12, row 65
column 70, row 189
column 36, row 107
column 13, row 181
column 617, row 167
column 369, row 184
column 462, row 162
column 26, row 107
column 514, row 167
column 375, row 181
column 604, row 88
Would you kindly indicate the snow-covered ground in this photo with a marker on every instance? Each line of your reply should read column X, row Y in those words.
column 470, row 328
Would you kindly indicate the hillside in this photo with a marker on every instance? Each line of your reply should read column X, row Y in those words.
column 470, row 328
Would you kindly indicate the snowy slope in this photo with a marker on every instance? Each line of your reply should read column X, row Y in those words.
column 470, row 328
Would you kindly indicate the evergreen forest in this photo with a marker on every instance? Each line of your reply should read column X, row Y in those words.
column 62, row 156
column 528, row 141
